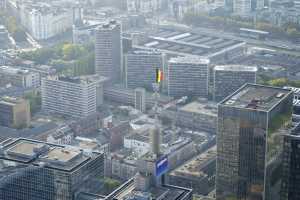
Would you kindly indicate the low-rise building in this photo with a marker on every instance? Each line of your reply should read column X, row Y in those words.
column 19, row 77
column 198, row 173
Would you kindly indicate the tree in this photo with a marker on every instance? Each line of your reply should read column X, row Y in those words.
column 35, row 101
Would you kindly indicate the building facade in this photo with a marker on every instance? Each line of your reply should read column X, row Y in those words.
column 108, row 51
column 249, row 145
column 19, row 77
column 71, row 96
column 187, row 76
column 228, row 79
column 14, row 113
column 246, row 7
column 140, row 99
column 140, row 68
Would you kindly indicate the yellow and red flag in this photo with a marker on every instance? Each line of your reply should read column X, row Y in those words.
column 159, row 75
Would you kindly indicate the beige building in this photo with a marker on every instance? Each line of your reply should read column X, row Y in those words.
column 14, row 112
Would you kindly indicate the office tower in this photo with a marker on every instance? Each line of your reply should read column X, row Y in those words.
column 19, row 77
column 108, row 51
column 140, row 66
column 140, row 99
column 227, row 79
column 290, row 185
column 249, row 143
column 35, row 170
column 71, row 96
column 14, row 112
column 187, row 76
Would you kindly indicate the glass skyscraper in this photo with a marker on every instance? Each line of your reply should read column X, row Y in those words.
column 251, row 123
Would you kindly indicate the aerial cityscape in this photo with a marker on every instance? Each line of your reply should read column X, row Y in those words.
column 149, row 99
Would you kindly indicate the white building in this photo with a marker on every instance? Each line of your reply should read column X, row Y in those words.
column 140, row 99
column 19, row 77
column 62, row 136
column 76, row 96
column 44, row 21
column 187, row 76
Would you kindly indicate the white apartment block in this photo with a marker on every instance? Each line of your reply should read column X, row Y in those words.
column 44, row 21
column 71, row 96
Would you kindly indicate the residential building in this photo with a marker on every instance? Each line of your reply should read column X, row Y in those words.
column 62, row 136
column 229, row 78
column 140, row 99
column 249, row 146
column 187, row 76
column 19, row 77
column 71, row 96
column 36, row 170
column 140, row 66
column 14, row 113
column 43, row 20
column 290, row 166
column 108, row 51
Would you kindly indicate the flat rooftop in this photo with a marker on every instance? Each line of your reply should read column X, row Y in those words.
column 235, row 68
column 56, row 157
column 166, row 192
column 88, row 79
column 61, row 154
column 189, row 60
column 257, row 97
column 209, row 108
column 25, row 148
column 182, row 42
column 194, row 167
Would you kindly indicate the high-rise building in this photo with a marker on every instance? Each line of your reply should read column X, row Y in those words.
column 14, row 112
column 42, row 171
column 108, row 51
column 229, row 78
column 72, row 96
column 249, row 142
column 290, row 185
column 187, row 76
column 19, row 77
column 140, row 99
column 140, row 68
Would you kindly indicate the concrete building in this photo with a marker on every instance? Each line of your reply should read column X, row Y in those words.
column 43, row 20
column 19, row 77
column 198, row 115
column 249, row 145
column 229, row 78
column 41, row 171
column 108, row 51
column 140, row 99
column 197, row 173
column 126, row 96
column 72, row 96
column 187, row 76
column 140, row 66
column 62, row 136
column 14, row 113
